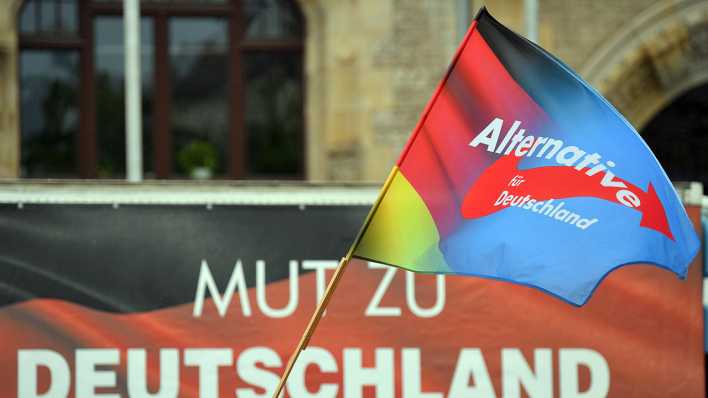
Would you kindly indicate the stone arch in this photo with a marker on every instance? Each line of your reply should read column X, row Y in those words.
column 370, row 68
column 657, row 56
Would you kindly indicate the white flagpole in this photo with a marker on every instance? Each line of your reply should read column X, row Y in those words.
column 133, row 104
column 463, row 18
column 319, row 311
column 531, row 19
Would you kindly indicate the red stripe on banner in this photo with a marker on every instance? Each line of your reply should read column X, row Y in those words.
column 653, row 348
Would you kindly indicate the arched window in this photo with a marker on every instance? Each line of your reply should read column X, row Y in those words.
column 222, row 88
column 678, row 135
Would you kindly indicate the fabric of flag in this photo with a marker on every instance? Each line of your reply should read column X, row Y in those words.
column 518, row 170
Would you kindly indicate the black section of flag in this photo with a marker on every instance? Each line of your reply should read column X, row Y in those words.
column 548, row 83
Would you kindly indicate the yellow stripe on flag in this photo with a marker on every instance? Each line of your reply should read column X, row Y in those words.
column 402, row 231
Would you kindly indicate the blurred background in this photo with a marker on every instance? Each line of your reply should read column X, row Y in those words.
column 298, row 91
column 312, row 89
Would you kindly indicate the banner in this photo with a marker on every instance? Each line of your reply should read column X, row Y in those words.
column 197, row 301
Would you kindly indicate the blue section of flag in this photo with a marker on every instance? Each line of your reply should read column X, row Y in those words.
column 545, row 252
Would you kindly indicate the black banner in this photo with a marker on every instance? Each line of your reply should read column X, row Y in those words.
column 135, row 258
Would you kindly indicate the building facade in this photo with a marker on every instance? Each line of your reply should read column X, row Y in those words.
column 315, row 89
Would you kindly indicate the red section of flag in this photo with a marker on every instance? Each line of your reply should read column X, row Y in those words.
column 437, row 160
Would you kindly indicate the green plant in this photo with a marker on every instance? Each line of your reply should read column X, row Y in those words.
column 197, row 154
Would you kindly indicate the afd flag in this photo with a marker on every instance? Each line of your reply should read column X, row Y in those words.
column 519, row 170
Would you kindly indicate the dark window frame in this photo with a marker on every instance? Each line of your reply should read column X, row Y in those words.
column 232, row 11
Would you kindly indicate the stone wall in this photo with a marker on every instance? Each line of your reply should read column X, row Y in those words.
column 656, row 56
column 371, row 66
column 9, row 100
column 573, row 30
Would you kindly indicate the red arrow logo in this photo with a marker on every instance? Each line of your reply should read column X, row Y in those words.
column 486, row 196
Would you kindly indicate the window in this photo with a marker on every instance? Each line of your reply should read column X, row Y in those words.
column 198, row 59
column 678, row 135
column 49, row 74
column 49, row 112
column 272, row 64
column 109, row 77
column 222, row 88
column 49, row 17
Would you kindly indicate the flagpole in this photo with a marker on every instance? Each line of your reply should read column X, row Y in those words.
column 319, row 311
column 309, row 331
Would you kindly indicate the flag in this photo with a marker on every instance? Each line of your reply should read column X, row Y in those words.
column 520, row 171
